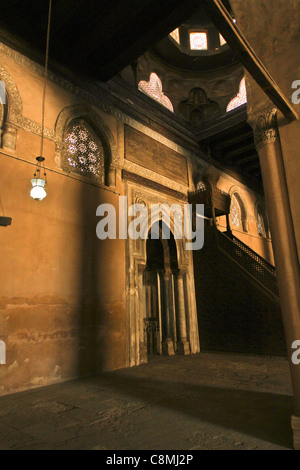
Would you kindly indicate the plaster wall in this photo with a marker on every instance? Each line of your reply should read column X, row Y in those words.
column 62, row 301
column 65, row 297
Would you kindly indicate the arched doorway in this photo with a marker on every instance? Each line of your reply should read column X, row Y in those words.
column 165, row 322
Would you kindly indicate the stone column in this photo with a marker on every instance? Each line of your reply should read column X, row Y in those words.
column 183, row 346
column 264, row 123
column 168, row 347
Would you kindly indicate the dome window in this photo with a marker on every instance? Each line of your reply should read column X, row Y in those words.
column 222, row 40
column 198, row 41
column 175, row 35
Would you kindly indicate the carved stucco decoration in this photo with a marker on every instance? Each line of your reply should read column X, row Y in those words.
column 260, row 206
column 220, row 85
column 13, row 118
column 88, row 114
column 264, row 124
column 92, row 94
column 245, row 211
column 11, row 112
column 136, row 259
column 15, row 107
column 198, row 108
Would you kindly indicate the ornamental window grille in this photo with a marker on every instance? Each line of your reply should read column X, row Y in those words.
column 153, row 88
column 236, row 213
column 84, row 152
column 240, row 98
column 198, row 41
column 222, row 40
column 175, row 35
column 261, row 228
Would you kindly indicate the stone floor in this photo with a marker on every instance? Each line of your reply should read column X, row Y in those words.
column 208, row 401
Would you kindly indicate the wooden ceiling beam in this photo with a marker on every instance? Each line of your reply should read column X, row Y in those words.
column 241, row 150
column 253, row 166
column 250, row 158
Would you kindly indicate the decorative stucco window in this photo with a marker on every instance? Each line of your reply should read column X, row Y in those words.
column 222, row 40
column 261, row 225
column 153, row 88
column 198, row 41
column 236, row 213
column 240, row 99
column 175, row 35
column 84, row 152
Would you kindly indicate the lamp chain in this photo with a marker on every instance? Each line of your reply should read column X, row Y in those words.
column 46, row 76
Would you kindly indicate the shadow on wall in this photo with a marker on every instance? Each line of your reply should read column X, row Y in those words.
column 101, row 322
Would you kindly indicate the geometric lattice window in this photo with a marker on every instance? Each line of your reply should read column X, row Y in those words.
column 175, row 35
column 260, row 223
column 222, row 40
column 153, row 88
column 241, row 97
column 198, row 41
column 82, row 152
column 236, row 213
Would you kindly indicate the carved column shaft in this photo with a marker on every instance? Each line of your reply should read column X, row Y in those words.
column 182, row 345
column 168, row 347
column 283, row 239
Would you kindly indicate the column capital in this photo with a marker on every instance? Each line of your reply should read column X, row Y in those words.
column 179, row 272
column 264, row 124
column 166, row 273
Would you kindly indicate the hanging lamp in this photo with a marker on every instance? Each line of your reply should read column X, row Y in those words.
column 39, row 181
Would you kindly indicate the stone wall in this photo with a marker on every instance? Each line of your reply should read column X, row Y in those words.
column 62, row 304
column 67, row 298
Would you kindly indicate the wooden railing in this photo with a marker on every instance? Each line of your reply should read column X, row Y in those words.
column 254, row 265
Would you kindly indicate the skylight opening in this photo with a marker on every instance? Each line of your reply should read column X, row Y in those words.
column 198, row 41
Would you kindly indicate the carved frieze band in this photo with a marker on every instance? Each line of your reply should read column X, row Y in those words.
column 264, row 124
column 15, row 109
column 95, row 95
column 89, row 93
column 152, row 185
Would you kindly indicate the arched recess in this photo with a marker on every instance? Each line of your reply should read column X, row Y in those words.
column 11, row 112
column 261, row 220
column 87, row 114
column 135, row 286
column 236, row 198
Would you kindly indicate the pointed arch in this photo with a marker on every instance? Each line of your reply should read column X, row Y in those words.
column 86, row 114
column 11, row 111
column 13, row 98
column 238, row 210
column 154, row 89
column 261, row 220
